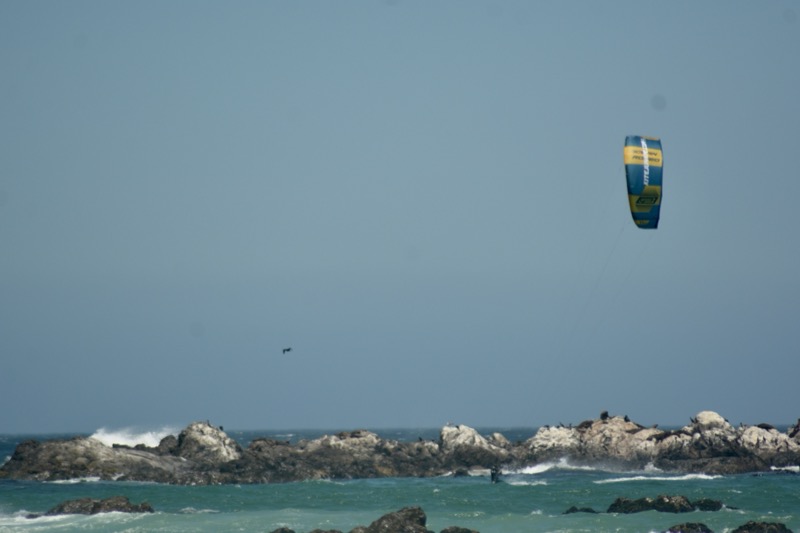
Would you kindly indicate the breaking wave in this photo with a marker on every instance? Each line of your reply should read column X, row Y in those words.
column 561, row 464
column 684, row 477
column 133, row 436
column 525, row 483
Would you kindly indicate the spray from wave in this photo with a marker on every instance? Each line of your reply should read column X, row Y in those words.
column 133, row 436
column 561, row 464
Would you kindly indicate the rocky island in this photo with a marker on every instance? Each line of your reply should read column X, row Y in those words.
column 204, row 454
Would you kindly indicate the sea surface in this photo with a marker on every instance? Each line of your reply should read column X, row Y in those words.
column 529, row 500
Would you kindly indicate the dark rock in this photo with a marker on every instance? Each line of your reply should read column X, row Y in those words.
column 707, row 504
column 794, row 431
column 574, row 509
column 762, row 527
column 406, row 520
column 325, row 531
column 662, row 503
column 689, row 527
column 119, row 504
column 283, row 530
column 168, row 445
column 456, row 529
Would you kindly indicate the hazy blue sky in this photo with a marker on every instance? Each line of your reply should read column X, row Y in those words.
column 424, row 199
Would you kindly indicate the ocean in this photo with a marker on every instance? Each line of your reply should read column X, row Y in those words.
column 530, row 500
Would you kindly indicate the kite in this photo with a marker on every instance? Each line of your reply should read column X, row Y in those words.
column 644, row 163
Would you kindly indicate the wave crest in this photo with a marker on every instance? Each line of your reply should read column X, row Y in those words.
column 561, row 464
column 684, row 477
column 132, row 436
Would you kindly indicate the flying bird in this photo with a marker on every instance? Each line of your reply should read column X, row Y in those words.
column 287, row 350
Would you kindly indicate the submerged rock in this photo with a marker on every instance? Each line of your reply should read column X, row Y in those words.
column 574, row 509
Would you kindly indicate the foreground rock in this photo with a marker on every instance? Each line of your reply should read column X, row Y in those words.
column 114, row 504
column 204, row 454
column 689, row 527
column 662, row 504
column 406, row 520
column 762, row 527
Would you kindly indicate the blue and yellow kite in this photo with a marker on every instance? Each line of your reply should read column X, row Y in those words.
column 644, row 163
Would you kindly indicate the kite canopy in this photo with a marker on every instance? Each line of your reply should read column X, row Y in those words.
column 643, row 168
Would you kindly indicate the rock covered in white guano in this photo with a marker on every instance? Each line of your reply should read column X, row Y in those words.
column 618, row 439
column 554, row 442
column 614, row 439
column 767, row 441
column 462, row 445
column 202, row 442
column 354, row 441
column 710, row 422
column 708, row 435
column 454, row 437
column 500, row 440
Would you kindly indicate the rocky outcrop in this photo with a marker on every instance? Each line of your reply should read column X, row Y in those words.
column 204, row 454
column 689, row 527
column 86, row 458
column 203, row 443
column 762, row 527
column 118, row 504
column 406, row 520
column 662, row 504
column 708, row 444
column 463, row 446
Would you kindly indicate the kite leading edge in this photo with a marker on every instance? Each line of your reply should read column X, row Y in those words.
column 643, row 169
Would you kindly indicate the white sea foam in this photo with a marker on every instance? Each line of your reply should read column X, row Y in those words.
column 23, row 517
column 133, row 436
column 795, row 469
column 76, row 480
column 650, row 467
column 561, row 464
column 685, row 477
column 523, row 483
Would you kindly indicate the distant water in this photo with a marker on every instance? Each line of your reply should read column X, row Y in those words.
column 530, row 500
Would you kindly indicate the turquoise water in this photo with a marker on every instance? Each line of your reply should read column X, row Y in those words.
column 530, row 500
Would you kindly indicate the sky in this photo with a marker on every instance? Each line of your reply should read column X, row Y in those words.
column 425, row 200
